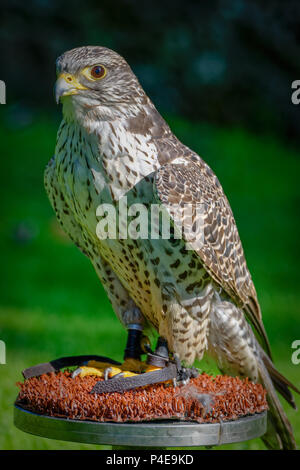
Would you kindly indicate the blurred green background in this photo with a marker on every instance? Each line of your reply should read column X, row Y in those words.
column 221, row 76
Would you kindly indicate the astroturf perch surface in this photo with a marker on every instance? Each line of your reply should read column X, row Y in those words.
column 51, row 299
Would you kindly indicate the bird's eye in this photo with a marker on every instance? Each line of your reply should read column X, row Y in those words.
column 98, row 71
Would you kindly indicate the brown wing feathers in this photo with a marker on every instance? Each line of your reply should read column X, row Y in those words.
column 220, row 250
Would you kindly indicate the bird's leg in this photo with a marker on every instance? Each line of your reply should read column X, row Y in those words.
column 160, row 358
column 137, row 344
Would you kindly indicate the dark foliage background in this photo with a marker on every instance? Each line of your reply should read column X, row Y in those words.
column 223, row 61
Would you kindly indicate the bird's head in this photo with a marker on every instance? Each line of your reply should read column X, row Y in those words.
column 97, row 80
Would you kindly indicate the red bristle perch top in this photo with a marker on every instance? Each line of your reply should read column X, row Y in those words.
column 205, row 399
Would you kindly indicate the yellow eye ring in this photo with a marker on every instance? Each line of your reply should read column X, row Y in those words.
column 97, row 72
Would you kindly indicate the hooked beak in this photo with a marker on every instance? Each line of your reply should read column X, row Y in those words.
column 66, row 85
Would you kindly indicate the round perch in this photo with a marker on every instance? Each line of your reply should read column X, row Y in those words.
column 142, row 435
column 207, row 411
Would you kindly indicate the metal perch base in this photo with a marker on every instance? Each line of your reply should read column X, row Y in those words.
column 168, row 433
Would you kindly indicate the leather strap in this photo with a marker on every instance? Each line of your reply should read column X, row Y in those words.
column 57, row 364
column 121, row 384
column 116, row 384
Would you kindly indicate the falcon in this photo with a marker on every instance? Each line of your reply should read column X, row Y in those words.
column 196, row 292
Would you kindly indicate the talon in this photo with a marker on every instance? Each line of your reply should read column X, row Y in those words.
column 111, row 372
column 127, row 369
column 106, row 373
column 92, row 368
column 116, row 372
column 76, row 372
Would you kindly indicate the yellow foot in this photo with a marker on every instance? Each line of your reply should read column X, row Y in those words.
column 129, row 368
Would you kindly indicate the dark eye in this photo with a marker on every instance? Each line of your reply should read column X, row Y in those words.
column 98, row 71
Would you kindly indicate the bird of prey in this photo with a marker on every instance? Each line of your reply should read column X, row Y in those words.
column 197, row 294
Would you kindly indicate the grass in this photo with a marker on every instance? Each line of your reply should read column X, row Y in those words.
column 52, row 303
